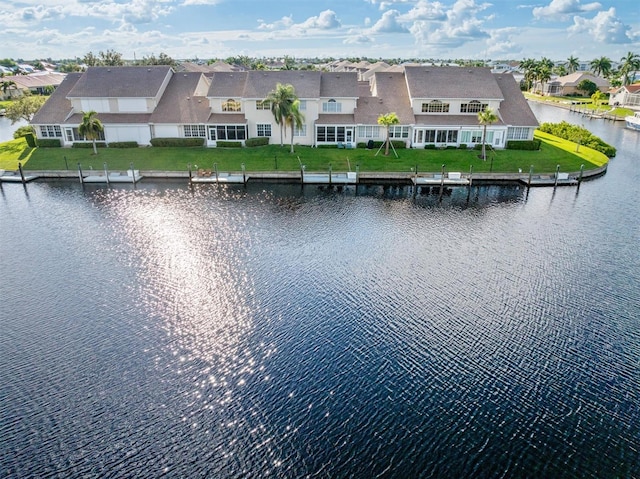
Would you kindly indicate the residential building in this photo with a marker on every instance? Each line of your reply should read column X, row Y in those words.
column 627, row 96
column 568, row 84
column 436, row 106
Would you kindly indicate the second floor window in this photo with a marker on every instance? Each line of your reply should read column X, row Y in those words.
column 473, row 107
column 231, row 105
column 435, row 106
column 263, row 105
column 331, row 106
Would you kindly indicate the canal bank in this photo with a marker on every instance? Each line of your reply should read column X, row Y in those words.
column 444, row 177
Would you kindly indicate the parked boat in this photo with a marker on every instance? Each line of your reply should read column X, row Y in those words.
column 633, row 121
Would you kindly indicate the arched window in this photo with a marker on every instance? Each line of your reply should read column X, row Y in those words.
column 231, row 105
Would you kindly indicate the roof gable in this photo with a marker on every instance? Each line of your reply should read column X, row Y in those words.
column 184, row 100
column 339, row 85
column 260, row 83
column 514, row 109
column 57, row 107
column 121, row 82
column 451, row 82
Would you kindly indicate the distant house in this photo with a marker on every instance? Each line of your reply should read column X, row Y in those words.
column 568, row 85
column 38, row 83
column 435, row 105
column 627, row 96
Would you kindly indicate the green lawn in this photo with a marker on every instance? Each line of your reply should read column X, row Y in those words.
column 554, row 152
column 585, row 104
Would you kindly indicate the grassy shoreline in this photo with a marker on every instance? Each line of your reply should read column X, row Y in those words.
column 554, row 151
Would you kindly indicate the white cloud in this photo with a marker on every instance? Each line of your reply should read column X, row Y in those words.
column 283, row 23
column 604, row 27
column 452, row 28
column 563, row 9
column 425, row 10
column 360, row 38
column 325, row 21
column 388, row 23
column 384, row 4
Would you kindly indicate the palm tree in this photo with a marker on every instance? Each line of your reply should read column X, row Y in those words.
column 281, row 100
column 572, row 64
column 388, row 120
column 528, row 66
column 486, row 117
column 7, row 85
column 630, row 63
column 91, row 128
column 601, row 66
column 295, row 118
column 542, row 74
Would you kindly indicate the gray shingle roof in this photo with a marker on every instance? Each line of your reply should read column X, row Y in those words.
column 260, row 83
column 122, row 82
column 391, row 96
column 452, row 82
column 339, row 85
column 183, row 100
column 514, row 109
column 227, row 118
column 335, row 119
column 141, row 119
column 57, row 107
column 227, row 85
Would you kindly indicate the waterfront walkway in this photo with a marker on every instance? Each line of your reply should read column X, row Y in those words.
column 449, row 179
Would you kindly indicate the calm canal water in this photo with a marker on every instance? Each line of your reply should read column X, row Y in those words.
column 160, row 331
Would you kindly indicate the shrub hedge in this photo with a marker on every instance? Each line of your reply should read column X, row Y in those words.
column 578, row 134
column 259, row 141
column 177, row 142
column 31, row 140
column 397, row 144
column 229, row 144
column 123, row 144
column 49, row 142
column 89, row 144
column 529, row 145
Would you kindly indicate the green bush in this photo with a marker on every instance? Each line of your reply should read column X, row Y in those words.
column 260, row 141
column 49, row 143
column 397, row 144
column 23, row 131
column 123, row 144
column 529, row 145
column 578, row 134
column 430, row 146
column 177, row 142
column 462, row 146
column 31, row 140
column 229, row 144
column 88, row 144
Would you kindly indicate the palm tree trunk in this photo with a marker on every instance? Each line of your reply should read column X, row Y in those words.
column 484, row 143
column 95, row 149
column 386, row 146
column 292, row 127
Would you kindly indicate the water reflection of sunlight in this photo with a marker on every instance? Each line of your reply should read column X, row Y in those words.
column 193, row 279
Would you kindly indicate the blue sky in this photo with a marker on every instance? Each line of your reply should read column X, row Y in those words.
column 473, row 29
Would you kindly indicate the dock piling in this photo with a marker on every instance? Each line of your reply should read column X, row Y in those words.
column 80, row 174
column 190, row 174
column 555, row 183
column 24, row 182
column 106, row 172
